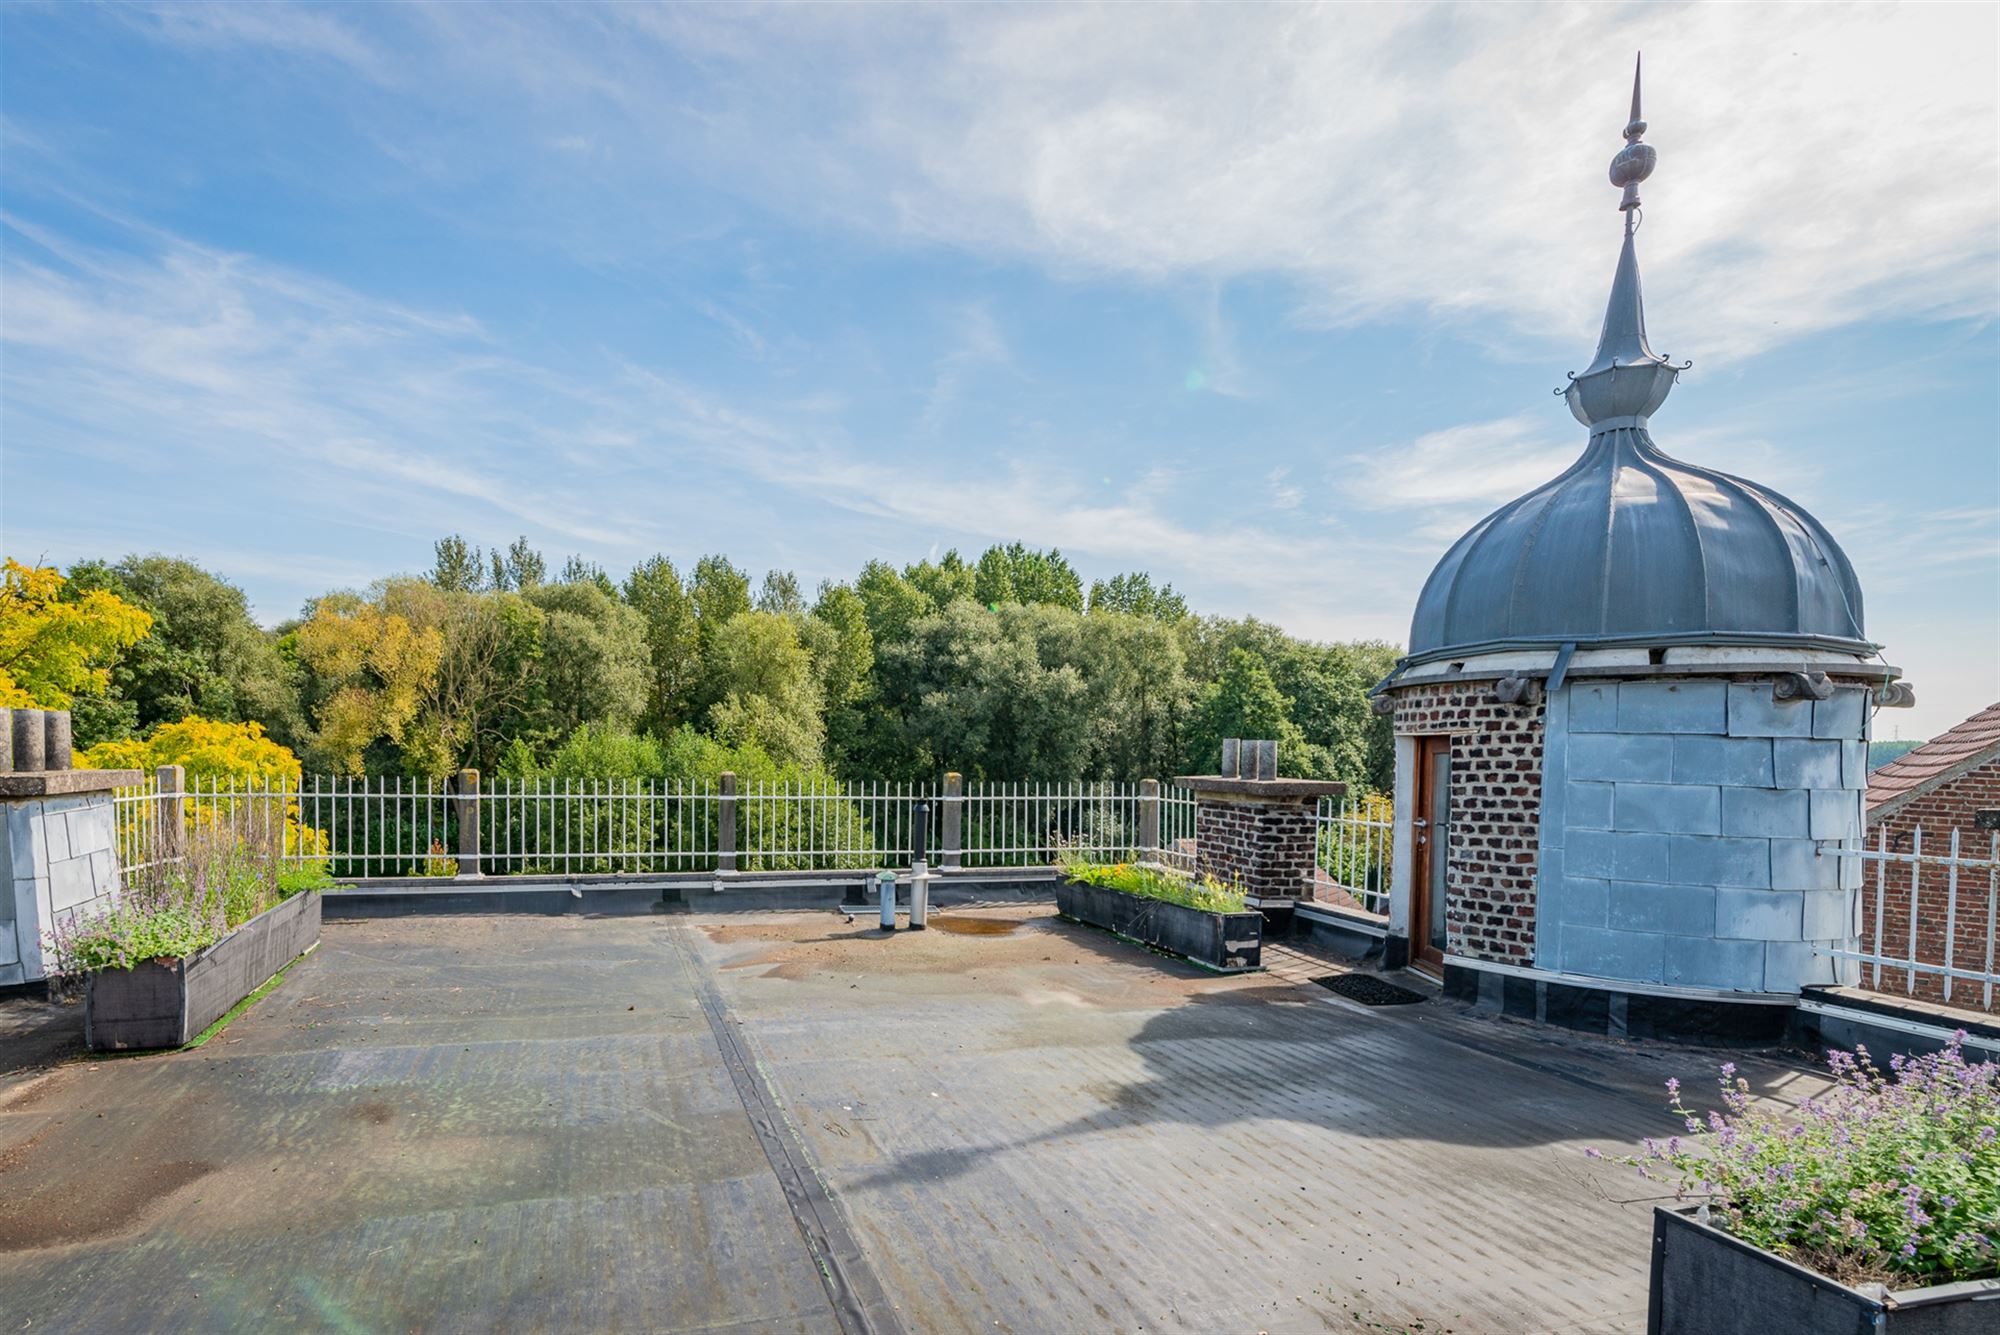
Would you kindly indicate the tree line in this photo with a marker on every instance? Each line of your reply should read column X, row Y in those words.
column 1003, row 668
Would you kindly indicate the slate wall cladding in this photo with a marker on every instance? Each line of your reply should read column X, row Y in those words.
column 60, row 853
column 1950, row 805
column 1686, row 833
column 1496, row 787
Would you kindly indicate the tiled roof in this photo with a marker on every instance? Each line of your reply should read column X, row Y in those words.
column 1917, row 769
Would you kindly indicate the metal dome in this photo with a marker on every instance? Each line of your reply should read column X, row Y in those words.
column 1631, row 546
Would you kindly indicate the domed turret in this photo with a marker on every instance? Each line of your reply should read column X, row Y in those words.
column 1631, row 546
column 1632, row 729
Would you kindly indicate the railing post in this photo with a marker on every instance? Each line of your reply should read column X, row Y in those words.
column 465, row 790
column 1149, row 819
column 170, row 826
column 951, row 821
column 725, row 823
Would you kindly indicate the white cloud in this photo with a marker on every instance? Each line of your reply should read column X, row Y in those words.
column 1386, row 157
column 1484, row 462
column 285, row 27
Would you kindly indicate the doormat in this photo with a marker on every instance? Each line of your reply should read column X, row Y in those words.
column 1369, row 990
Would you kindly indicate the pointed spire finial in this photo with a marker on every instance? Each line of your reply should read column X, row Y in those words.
column 1634, row 162
column 1627, row 380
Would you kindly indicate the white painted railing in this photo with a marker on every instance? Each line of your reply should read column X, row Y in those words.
column 1355, row 846
column 1920, row 891
column 400, row 826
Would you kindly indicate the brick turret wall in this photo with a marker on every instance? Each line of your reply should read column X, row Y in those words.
column 1496, row 788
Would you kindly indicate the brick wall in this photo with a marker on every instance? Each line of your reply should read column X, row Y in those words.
column 1496, row 785
column 1938, row 812
column 1266, row 845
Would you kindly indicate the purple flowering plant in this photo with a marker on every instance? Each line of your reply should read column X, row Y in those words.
column 1891, row 1179
column 222, row 882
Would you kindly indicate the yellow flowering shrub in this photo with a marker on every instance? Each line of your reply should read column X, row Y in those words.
column 217, row 755
column 52, row 649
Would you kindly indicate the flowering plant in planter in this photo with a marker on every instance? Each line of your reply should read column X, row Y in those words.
column 1891, row 1179
column 1195, row 891
column 222, row 884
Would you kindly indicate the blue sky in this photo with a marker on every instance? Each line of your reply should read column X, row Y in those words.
column 1268, row 301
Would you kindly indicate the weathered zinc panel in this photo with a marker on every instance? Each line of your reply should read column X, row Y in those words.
column 1713, row 863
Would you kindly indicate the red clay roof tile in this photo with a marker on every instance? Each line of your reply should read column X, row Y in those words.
column 1919, row 767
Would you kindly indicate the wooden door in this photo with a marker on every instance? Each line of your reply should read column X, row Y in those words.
column 1430, row 840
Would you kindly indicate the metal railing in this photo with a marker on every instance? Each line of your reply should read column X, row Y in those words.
column 1356, row 842
column 1911, row 888
column 400, row 826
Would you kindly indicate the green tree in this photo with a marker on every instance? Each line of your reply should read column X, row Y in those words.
column 205, row 656
column 486, row 690
column 765, row 689
column 459, row 567
column 371, row 671
column 890, row 602
column 1017, row 573
column 719, row 591
column 944, row 581
column 593, row 666
column 780, row 593
column 520, row 568
column 1244, row 702
column 673, row 642
column 577, row 570
column 1135, row 595
column 968, row 689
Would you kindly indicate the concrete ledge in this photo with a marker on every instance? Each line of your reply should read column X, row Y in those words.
column 1276, row 789
column 680, row 892
column 1844, row 1017
column 63, row 782
column 1346, row 933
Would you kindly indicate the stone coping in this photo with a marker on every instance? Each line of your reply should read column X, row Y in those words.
column 58, row 782
column 1272, row 788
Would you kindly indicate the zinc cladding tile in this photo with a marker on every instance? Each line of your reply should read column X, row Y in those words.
column 1948, row 749
column 1743, row 762
column 1666, row 808
column 1765, row 813
column 1593, row 707
column 1703, row 961
column 1633, row 758
column 1588, row 806
column 1638, row 956
column 1754, row 713
column 1706, row 859
column 1801, row 864
column 1835, row 813
column 1672, row 706
column 1842, row 714
column 1678, row 910
column 1759, row 915
column 1803, row 763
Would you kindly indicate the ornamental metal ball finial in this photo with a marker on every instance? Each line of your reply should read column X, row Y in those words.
column 1634, row 162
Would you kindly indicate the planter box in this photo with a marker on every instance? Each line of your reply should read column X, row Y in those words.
column 166, row 1004
column 1706, row 1282
column 1230, row 942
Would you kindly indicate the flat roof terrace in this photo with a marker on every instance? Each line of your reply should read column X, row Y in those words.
column 787, row 1122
